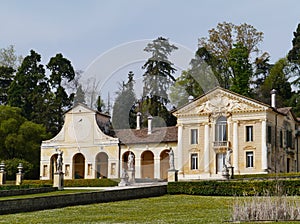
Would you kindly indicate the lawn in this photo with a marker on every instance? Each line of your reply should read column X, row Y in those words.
column 165, row 209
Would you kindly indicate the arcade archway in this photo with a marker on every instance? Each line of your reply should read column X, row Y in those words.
column 102, row 165
column 79, row 164
column 147, row 164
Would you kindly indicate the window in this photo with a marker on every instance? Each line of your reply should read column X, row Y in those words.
column 45, row 171
column 221, row 130
column 280, row 139
column 269, row 134
column 249, row 159
column 194, row 161
column 194, row 136
column 289, row 139
column 249, row 133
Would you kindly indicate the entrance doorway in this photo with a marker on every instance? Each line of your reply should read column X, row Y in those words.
column 102, row 165
column 220, row 162
column 79, row 163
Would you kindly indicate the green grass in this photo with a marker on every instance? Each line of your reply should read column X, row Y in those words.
column 165, row 209
column 45, row 194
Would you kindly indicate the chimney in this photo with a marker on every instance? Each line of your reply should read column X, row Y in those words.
column 273, row 98
column 149, row 125
column 190, row 99
column 138, row 121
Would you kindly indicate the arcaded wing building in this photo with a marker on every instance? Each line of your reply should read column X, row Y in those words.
column 219, row 128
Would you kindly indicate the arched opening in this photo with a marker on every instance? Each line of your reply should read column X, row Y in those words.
column 125, row 157
column 102, row 165
column 53, row 162
column 164, row 164
column 147, row 162
column 78, row 163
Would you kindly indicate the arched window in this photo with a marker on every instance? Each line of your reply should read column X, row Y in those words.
column 221, row 129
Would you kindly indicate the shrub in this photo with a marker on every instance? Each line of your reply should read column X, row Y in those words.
column 236, row 188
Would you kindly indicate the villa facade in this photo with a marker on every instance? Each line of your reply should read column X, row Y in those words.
column 217, row 129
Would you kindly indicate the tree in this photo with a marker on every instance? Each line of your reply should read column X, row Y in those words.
column 159, row 70
column 29, row 87
column 158, row 77
column 8, row 57
column 294, row 55
column 6, row 78
column 123, row 109
column 222, row 40
column 61, row 70
column 20, row 138
column 278, row 80
column 79, row 95
column 241, row 70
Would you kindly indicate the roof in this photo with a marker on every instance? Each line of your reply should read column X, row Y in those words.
column 133, row 136
column 88, row 108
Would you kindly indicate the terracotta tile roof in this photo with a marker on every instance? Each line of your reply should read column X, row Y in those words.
column 284, row 110
column 133, row 136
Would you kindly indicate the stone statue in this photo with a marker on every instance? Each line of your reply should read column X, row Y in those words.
column 171, row 159
column 130, row 161
column 59, row 162
column 227, row 158
column 124, row 178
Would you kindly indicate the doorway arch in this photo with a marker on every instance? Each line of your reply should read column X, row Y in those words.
column 147, row 162
column 79, row 166
column 164, row 164
column 125, row 159
column 53, row 162
column 102, row 165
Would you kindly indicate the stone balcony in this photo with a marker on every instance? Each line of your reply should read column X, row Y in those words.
column 221, row 145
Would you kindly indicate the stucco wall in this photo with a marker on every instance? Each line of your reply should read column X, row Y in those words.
column 58, row 201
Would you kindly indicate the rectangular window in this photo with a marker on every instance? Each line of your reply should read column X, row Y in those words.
column 45, row 171
column 280, row 139
column 194, row 136
column 289, row 139
column 67, row 170
column 249, row 133
column 194, row 161
column 269, row 134
column 249, row 159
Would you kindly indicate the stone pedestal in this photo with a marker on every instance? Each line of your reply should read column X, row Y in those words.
column 131, row 176
column 2, row 177
column 172, row 175
column 124, row 179
column 19, row 178
column 58, row 180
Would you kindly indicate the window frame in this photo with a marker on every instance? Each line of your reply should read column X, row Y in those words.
column 194, row 159
column 249, row 129
column 249, row 159
column 194, row 138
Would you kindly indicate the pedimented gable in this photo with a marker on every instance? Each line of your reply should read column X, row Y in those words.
column 220, row 101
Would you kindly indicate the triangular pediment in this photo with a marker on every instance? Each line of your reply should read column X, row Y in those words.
column 220, row 100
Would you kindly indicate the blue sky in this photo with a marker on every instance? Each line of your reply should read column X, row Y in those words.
column 83, row 30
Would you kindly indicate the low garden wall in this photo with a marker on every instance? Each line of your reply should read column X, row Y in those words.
column 58, row 201
column 15, row 192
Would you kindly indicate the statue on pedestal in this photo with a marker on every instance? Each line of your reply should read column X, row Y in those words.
column 130, row 161
column 171, row 159
column 227, row 158
column 59, row 162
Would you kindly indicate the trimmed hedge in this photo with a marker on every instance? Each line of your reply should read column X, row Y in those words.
column 77, row 182
column 236, row 188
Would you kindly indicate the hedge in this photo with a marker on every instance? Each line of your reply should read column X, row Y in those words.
column 236, row 188
column 77, row 182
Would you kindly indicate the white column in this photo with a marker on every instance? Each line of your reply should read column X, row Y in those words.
column 206, row 148
column 137, row 167
column 235, row 147
column 157, row 167
column 180, row 149
column 264, row 154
